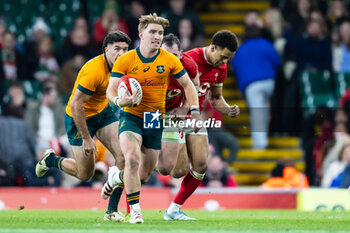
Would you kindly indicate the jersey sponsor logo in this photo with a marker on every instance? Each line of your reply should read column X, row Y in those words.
column 160, row 69
column 146, row 69
column 151, row 120
column 152, row 83
column 173, row 93
column 134, row 70
column 203, row 89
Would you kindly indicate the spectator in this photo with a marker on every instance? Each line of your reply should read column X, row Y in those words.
column 69, row 73
column 216, row 175
column 17, row 142
column 255, row 65
column 179, row 11
column 109, row 21
column 273, row 24
column 285, row 175
column 323, row 123
column 46, row 116
column 17, row 151
column 81, row 23
column 7, row 173
column 342, row 62
column 298, row 17
column 314, row 50
column 332, row 155
column 3, row 30
column 11, row 60
column 345, row 178
column 189, row 39
column 276, row 31
column 337, row 167
column 252, row 19
column 316, row 15
column 136, row 10
column 15, row 96
column 48, row 65
column 39, row 30
column 78, row 41
column 337, row 13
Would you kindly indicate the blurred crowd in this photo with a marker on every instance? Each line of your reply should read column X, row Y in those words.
column 290, row 68
column 37, row 76
column 278, row 46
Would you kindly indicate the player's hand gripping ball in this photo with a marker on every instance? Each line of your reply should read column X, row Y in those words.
column 127, row 86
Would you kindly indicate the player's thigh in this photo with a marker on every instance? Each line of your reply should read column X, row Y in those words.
column 85, row 163
column 130, row 144
column 182, row 163
column 172, row 138
column 168, row 156
column 130, row 136
column 108, row 135
column 197, row 149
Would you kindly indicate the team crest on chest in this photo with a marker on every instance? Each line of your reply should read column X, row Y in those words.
column 160, row 69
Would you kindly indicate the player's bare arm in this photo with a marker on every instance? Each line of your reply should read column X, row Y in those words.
column 219, row 103
column 181, row 112
column 112, row 95
column 190, row 90
column 196, row 82
column 78, row 113
column 191, row 96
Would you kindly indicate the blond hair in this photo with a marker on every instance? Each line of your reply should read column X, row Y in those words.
column 152, row 18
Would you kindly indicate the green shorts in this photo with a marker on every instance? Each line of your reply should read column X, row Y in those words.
column 151, row 138
column 94, row 123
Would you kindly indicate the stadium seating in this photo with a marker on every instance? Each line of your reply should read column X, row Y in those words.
column 59, row 15
column 253, row 166
column 316, row 89
column 341, row 83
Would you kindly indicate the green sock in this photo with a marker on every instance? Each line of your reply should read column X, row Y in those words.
column 133, row 198
column 114, row 199
column 54, row 161
column 121, row 176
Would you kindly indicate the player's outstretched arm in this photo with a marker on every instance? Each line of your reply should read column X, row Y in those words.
column 78, row 113
column 219, row 103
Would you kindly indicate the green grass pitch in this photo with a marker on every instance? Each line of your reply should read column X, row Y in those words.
column 242, row 221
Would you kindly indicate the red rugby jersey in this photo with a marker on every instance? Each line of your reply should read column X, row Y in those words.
column 209, row 75
column 175, row 93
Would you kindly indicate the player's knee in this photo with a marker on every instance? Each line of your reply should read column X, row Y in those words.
column 85, row 176
column 164, row 170
column 201, row 167
column 132, row 162
column 179, row 173
column 120, row 164
column 144, row 180
column 144, row 176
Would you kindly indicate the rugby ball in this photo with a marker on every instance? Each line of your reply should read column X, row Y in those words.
column 127, row 86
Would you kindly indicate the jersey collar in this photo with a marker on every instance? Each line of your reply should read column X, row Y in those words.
column 109, row 68
column 145, row 59
column 205, row 56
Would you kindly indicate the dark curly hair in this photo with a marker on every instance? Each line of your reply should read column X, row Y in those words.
column 225, row 39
